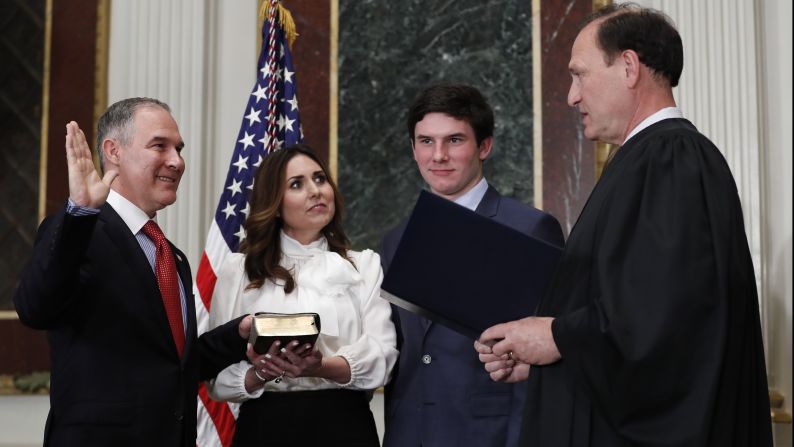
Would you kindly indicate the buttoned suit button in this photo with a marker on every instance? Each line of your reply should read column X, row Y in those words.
column 178, row 415
column 426, row 359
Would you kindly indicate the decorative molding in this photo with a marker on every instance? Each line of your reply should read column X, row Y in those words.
column 602, row 155
column 333, row 100
column 602, row 150
column 537, row 105
column 45, row 112
column 101, row 63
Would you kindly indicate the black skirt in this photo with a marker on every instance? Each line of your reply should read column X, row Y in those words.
column 307, row 418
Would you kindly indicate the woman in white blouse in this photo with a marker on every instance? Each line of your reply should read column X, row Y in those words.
column 296, row 258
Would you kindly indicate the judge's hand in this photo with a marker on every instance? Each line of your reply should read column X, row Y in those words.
column 528, row 341
column 86, row 188
column 501, row 368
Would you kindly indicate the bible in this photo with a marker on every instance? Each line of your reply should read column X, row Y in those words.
column 269, row 327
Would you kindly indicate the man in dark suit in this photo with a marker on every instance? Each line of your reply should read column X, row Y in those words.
column 439, row 394
column 116, row 297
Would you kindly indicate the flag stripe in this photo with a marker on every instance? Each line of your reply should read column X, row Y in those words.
column 270, row 121
column 206, row 283
column 221, row 415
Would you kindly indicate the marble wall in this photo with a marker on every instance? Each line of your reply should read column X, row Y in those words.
column 41, row 91
column 389, row 51
column 22, row 28
column 569, row 162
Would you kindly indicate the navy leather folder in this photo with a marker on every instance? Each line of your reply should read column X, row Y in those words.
column 464, row 270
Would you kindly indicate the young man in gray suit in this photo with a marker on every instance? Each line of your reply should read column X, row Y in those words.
column 439, row 394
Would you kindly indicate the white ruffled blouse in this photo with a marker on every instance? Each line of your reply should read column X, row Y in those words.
column 355, row 321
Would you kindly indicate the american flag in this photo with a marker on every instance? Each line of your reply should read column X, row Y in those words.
column 270, row 122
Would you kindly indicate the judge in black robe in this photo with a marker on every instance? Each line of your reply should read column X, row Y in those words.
column 649, row 333
column 655, row 306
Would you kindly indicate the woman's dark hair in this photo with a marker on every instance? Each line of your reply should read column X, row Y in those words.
column 650, row 33
column 262, row 245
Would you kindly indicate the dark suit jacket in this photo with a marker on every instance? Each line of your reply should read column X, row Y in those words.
column 116, row 376
column 440, row 395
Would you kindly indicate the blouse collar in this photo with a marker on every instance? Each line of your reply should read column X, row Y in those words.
column 294, row 249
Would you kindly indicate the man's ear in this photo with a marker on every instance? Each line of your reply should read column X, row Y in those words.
column 631, row 66
column 485, row 148
column 110, row 150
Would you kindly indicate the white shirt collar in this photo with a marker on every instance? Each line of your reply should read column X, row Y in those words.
column 134, row 217
column 663, row 114
column 471, row 198
column 294, row 249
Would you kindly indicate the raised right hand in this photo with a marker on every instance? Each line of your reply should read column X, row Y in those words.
column 86, row 188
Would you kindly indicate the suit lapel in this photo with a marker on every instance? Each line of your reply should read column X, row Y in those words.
column 138, row 264
column 488, row 207
column 183, row 269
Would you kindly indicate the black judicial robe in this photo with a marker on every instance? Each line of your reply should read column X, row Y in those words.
column 656, row 309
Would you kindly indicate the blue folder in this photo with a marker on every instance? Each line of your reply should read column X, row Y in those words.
column 464, row 270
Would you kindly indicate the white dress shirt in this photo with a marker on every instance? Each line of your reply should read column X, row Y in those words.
column 135, row 218
column 662, row 114
column 355, row 321
column 471, row 199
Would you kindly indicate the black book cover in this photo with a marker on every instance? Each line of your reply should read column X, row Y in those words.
column 464, row 270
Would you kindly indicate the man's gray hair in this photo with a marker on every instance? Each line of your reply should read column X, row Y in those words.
column 117, row 122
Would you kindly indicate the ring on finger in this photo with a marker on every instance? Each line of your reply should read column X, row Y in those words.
column 280, row 378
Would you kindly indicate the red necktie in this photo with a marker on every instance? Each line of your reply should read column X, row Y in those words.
column 168, row 281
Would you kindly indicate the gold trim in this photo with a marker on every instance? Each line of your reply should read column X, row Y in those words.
column 780, row 416
column 101, row 64
column 259, row 24
column 333, row 94
column 8, row 315
column 45, row 112
column 776, row 411
column 603, row 151
column 537, row 106
column 775, row 399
